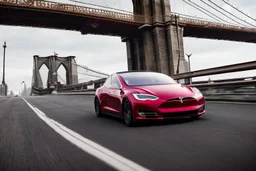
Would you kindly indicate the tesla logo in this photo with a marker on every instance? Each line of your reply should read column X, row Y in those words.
column 181, row 99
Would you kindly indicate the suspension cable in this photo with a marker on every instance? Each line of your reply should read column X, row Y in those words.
column 231, row 14
column 200, row 10
column 239, row 10
column 190, row 16
column 61, row 78
column 91, row 75
column 209, row 12
column 98, row 72
column 224, row 14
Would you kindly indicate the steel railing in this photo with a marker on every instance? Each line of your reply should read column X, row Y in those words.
column 218, row 70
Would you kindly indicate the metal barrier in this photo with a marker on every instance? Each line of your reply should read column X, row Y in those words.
column 82, row 86
column 235, row 89
column 218, row 70
column 39, row 91
column 226, row 80
column 224, row 84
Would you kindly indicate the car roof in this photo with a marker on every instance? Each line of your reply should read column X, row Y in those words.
column 124, row 72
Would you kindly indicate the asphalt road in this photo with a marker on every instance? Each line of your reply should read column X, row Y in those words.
column 223, row 139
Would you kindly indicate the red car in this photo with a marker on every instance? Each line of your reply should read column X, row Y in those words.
column 141, row 95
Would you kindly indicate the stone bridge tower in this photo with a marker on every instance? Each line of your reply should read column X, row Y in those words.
column 159, row 45
column 53, row 63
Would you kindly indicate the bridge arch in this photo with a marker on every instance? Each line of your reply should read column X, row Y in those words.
column 43, row 71
column 63, row 73
column 41, row 63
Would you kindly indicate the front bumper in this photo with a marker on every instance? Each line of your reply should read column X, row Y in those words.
column 152, row 110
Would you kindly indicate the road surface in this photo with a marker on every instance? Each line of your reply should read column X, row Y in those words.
column 223, row 139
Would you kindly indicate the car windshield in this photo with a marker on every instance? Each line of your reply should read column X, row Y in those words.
column 146, row 79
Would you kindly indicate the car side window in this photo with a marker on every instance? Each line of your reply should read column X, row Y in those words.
column 115, row 82
column 108, row 82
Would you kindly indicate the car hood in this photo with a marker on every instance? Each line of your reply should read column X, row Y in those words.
column 166, row 92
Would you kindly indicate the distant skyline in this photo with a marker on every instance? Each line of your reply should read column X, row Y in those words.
column 108, row 54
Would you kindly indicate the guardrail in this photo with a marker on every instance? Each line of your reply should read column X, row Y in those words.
column 225, row 80
column 217, row 70
column 39, row 91
column 82, row 86
column 224, row 84
column 235, row 89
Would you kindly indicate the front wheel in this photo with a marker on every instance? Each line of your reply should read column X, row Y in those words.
column 127, row 113
column 97, row 107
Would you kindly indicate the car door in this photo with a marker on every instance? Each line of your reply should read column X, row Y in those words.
column 104, row 95
column 115, row 100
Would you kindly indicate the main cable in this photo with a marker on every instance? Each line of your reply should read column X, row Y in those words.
column 231, row 14
column 223, row 14
column 209, row 12
column 86, row 68
column 200, row 10
column 239, row 10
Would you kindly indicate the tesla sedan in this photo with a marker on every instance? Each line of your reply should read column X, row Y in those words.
column 141, row 95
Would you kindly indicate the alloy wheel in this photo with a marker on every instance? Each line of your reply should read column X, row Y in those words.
column 127, row 112
column 97, row 107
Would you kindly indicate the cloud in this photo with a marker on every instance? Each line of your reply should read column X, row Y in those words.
column 108, row 54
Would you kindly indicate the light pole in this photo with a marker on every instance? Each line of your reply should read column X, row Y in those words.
column 189, row 67
column 3, row 87
column 3, row 81
column 22, row 92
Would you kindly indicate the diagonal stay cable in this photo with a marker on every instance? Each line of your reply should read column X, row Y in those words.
column 200, row 10
column 223, row 13
column 231, row 14
column 238, row 10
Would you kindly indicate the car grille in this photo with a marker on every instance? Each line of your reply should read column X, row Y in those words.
column 176, row 102
column 179, row 114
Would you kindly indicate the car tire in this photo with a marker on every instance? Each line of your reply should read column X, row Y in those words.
column 97, row 107
column 127, row 113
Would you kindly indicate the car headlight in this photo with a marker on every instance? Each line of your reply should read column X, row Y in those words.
column 198, row 94
column 144, row 97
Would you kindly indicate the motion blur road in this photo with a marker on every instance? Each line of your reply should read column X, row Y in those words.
column 223, row 139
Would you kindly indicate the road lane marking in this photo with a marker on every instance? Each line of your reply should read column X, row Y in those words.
column 239, row 103
column 109, row 157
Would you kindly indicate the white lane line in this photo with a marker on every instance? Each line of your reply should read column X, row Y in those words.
column 109, row 157
column 240, row 103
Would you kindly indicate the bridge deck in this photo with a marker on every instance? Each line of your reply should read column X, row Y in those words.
column 223, row 139
column 55, row 15
column 56, row 19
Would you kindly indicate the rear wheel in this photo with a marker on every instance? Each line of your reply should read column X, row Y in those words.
column 127, row 113
column 97, row 107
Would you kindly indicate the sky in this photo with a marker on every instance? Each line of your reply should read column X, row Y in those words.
column 108, row 54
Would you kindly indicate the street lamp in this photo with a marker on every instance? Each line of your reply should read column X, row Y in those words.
column 22, row 91
column 3, row 81
column 189, row 68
